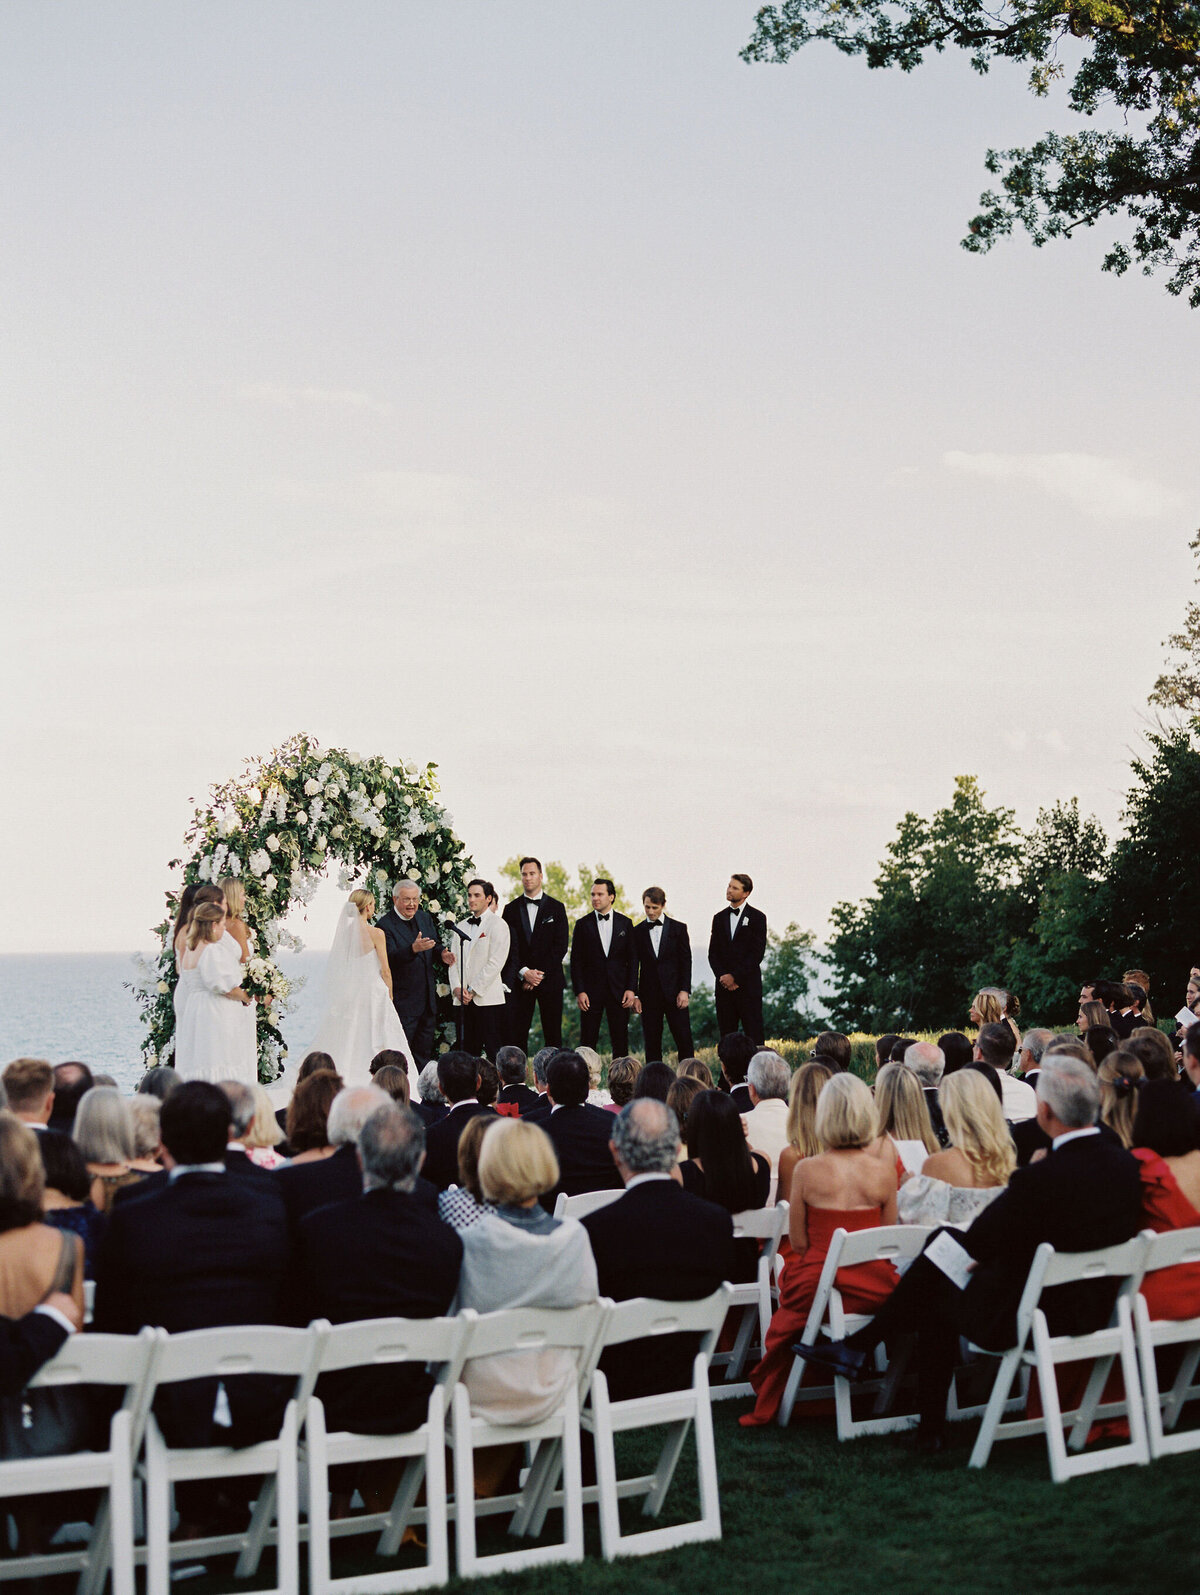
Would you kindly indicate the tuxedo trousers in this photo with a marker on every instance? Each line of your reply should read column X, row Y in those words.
column 618, row 1024
column 420, row 1029
column 654, row 1010
column 483, row 1029
column 519, row 1010
column 740, row 1009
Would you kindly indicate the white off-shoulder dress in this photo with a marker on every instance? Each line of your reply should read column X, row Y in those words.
column 212, row 1039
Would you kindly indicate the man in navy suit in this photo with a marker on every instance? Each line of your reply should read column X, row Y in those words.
column 579, row 1131
column 534, row 972
column 664, row 984
column 412, row 946
column 736, row 949
column 604, row 970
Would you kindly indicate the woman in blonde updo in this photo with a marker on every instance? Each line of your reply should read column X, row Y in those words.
column 359, row 1019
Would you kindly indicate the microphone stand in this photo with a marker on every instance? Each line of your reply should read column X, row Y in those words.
column 461, row 1020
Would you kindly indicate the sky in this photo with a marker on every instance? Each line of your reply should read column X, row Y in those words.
column 538, row 389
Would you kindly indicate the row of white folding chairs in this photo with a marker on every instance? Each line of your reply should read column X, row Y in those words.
column 1131, row 1337
column 153, row 1359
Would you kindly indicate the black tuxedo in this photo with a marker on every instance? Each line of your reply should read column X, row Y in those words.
column 1084, row 1196
column 604, row 980
column 381, row 1255
column 441, row 1143
column 414, row 978
column 739, row 1095
column 660, row 980
column 521, row 1098
column 658, row 1240
column 741, row 956
column 543, row 948
column 585, row 1163
column 201, row 1251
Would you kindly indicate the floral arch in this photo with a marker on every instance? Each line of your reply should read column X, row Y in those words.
column 279, row 826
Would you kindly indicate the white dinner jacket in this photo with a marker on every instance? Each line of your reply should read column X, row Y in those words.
column 482, row 963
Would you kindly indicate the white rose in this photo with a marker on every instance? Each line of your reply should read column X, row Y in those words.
column 255, row 795
column 409, row 799
column 311, row 787
column 332, row 790
column 446, row 867
column 379, row 800
column 354, row 758
column 338, row 832
column 273, row 842
column 270, row 883
column 163, row 988
column 411, row 770
column 443, row 990
column 301, row 817
column 320, row 844
column 435, row 907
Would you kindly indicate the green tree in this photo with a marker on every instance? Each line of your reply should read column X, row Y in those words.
column 1179, row 686
column 1136, row 62
column 576, row 894
column 788, row 971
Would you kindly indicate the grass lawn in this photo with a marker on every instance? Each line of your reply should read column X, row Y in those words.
column 802, row 1513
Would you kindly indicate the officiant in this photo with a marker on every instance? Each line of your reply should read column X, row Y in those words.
column 413, row 946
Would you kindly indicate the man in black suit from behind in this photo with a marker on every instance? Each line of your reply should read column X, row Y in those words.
column 515, row 1096
column 379, row 1254
column 664, row 982
column 579, row 1131
column 734, row 1052
column 604, row 970
column 307, row 1186
column 534, row 973
column 458, row 1076
column 412, row 946
column 237, row 1163
column 1083, row 1195
column 657, row 1240
column 736, row 949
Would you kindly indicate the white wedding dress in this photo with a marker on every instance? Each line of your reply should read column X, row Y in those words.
column 358, row 1019
column 212, row 1040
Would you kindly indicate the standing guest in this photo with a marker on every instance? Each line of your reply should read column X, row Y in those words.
column 656, row 1240
column 996, row 1045
column 103, row 1132
column 67, row 1200
column 144, row 1112
column 1029, row 1054
column 721, row 1168
column 604, row 969
column 412, row 945
column 479, row 987
column 1092, row 1013
column 1121, row 1076
column 684, row 1091
column 71, row 1080
column 766, row 1124
column 1140, row 981
column 1100, row 1040
column 904, row 1123
column 987, row 1007
column 209, row 893
column 802, row 1139
column 158, row 1082
column 734, row 1052
column 654, row 1080
column 664, row 976
column 736, row 949
column 954, row 1186
column 237, row 935
column 235, row 916
column 394, row 1081
column 458, row 1076
column 622, row 1078
column 534, row 975
column 928, row 1063
column 1154, row 1052
column 187, row 980
column 463, row 1204
column 833, row 1049
column 333, row 1174
column 211, row 1041
column 515, row 1096
column 29, row 1089
column 431, row 1105
column 578, row 1131
column 186, row 898
column 262, row 1139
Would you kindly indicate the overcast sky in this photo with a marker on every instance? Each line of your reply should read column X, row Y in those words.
column 541, row 390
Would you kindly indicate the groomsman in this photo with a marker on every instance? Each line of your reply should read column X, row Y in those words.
column 534, row 975
column 479, row 987
column 412, row 938
column 736, row 950
column 604, row 970
column 664, row 985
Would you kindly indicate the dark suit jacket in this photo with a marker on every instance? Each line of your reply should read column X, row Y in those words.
column 585, row 1163
column 739, row 1095
column 200, row 1251
column 658, row 1240
column 430, row 1112
column 381, row 1255
column 441, row 1143
column 236, row 1163
column 661, row 979
column 545, row 949
column 306, row 1186
column 25, row 1344
column 742, row 955
column 603, row 979
column 1084, row 1196
column 414, row 975
column 520, row 1097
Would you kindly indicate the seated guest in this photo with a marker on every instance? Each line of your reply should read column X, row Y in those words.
column 71, row 1080
column 263, row 1138
column 103, row 1132
column 734, row 1052
column 1100, row 1040
column 848, row 1186
column 307, row 1125
column 158, row 1082
column 956, row 1051
column 1028, row 1137
column 514, row 1093
column 801, row 1122
column 27, row 1343
column 394, row 1082
column 1120, row 1076
column 488, row 1088
column 656, row 1240
column 1166, row 1143
column 431, row 1105
column 305, row 1186
column 955, row 1186
column 67, row 1199
column 995, row 1046
column 144, row 1116
column 458, row 1077
column 595, row 1068
column 1138, row 982
column 380, row 1253
column 928, row 1063
column 29, row 1088
column 900, row 1048
column 463, row 1204
column 579, row 1132
column 389, row 1058
column 622, row 1077
column 1085, row 1195
column 904, row 1126
column 311, row 1063
column 721, row 1168
column 688, row 1069
column 1029, row 1054
column 654, row 1080
column 1070, row 1047
column 541, row 1062
column 684, row 1091
column 519, row 1256
column 1154, row 1052
column 243, row 1105
column 833, row 1049
column 769, row 1080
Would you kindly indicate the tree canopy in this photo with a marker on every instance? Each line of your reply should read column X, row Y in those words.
column 1137, row 63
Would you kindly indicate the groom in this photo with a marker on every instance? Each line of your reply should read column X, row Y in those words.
column 412, row 937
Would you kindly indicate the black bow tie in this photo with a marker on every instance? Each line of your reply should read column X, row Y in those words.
column 472, row 919
column 603, row 918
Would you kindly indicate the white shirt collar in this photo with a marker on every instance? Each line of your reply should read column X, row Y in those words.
column 736, row 908
column 195, row 1168
column 1072, row 1135
column 535, row 899
column 644, row 1179
column 657, row 924
column 467, row 1102
column 236, row 1146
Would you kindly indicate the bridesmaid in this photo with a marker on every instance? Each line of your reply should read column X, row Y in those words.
column 237, row 940
column 235, row 916
column 210, row 1041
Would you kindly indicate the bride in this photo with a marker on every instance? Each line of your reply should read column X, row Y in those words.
column 359, row 1019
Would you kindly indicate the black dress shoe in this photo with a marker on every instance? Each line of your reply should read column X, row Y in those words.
column 836, row 1357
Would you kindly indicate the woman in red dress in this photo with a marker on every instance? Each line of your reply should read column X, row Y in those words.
column 1166, row 1143
column 847, row 1186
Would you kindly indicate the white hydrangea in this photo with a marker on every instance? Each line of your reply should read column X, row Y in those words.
column 204, row 869
column 324, row 772
column 260, row 862
column 345, row 879
column 233, row 864
column 255, row 795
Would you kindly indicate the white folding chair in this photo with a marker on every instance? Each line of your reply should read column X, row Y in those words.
column 1036, row 1348
column 228, row 1354
column 1162, row 1412
column 522, row 1329
column 586, row 1202
column 84, row 1360
column 380, row 1343
column 755, row 1299
column 892, row 1243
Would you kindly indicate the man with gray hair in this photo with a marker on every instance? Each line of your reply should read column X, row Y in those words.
column 539, row 1111
column 380, row 1253
column 1084, row 1195
column 928, row 1062
column 307, row 1186
column 413, row 944
column 769, row 1079
column 655, row 1240
column 242, row 1108
column 431, row 1105
column 1029, row 1053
